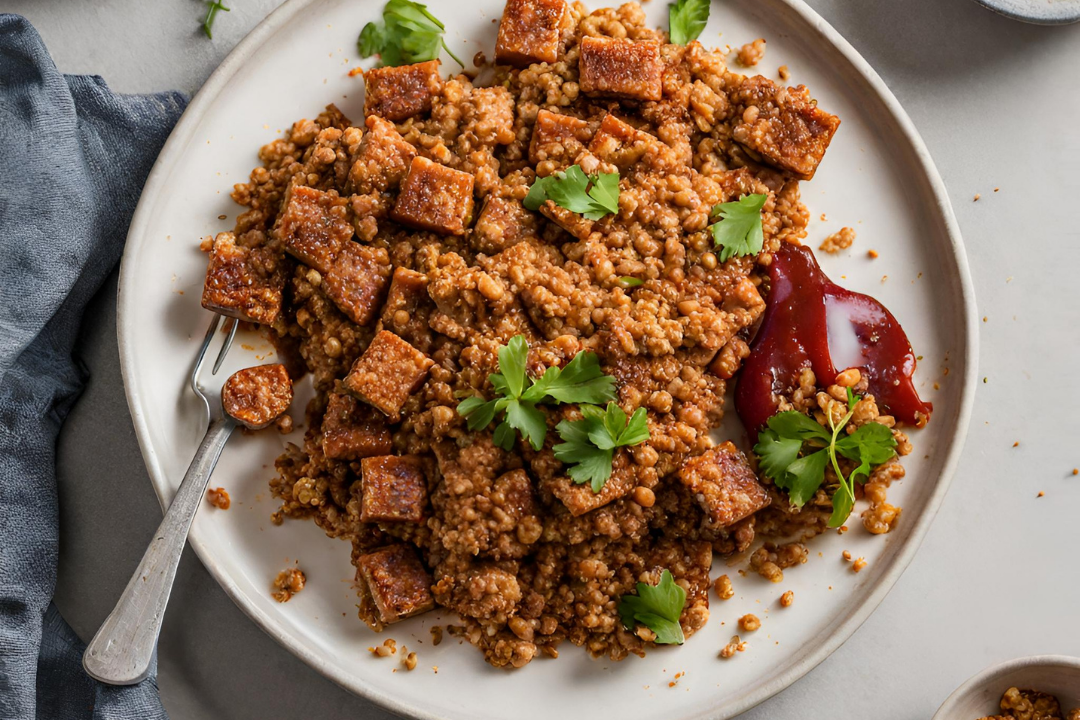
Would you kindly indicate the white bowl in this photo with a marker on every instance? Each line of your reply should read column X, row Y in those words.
column 1057, row 675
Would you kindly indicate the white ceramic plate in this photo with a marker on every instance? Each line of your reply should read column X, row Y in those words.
column 876, row 178
column 980, row 696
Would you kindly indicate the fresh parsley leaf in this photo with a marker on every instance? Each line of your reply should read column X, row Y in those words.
column 686, row 20
column 593, row 196
column 588, row 446
column 657, row 607
column 794, row 451
column 212, row 7
column 581, row 381
column 407, row 34
column 739, row 231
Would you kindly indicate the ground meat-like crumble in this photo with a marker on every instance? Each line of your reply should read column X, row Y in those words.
column 840, row 240
column 1022, row 704
column 392, row 257
column 287, row 583
column 752, row 53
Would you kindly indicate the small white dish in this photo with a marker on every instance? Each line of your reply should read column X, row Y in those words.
column 1038, row 12
column 979, row 697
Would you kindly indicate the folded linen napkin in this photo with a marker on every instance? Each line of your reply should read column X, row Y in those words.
column 73, row 159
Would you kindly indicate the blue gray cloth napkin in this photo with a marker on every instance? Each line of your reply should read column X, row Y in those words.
column 73, row 159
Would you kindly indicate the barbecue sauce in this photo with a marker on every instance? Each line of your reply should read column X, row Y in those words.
column 812, row 322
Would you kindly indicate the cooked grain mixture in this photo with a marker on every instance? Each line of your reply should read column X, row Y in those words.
column 1017, row 704
column 287, row 583
column 394, row 260
column 838, row 241
column 752, row 53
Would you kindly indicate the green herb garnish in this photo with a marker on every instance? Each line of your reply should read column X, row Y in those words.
column 593, row 196
column 795, row 450
column 738, row 232
column 589, row 444
column 581, row 381
column 657, row 607
column 211, row 12
column 686, row 20
column 407, row 34
column 630, row 282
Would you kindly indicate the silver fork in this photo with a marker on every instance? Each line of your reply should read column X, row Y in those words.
column 122, row 649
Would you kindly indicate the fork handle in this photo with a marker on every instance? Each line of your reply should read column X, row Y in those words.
column 123, row 647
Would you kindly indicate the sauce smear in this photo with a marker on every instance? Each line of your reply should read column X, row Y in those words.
column 810, row 321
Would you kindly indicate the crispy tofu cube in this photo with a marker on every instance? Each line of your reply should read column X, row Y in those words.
column 501, row 224
column 393, row 585
column 383, row 160
column 314, row 225
column 580, row 499
column 622, row 68
column 388, row 372
column 393, row 489
column 436, row 198
column 783, row 126
column 352, row 430
column 530, row 31
column 357, row 281
column 398, row 93
column 557, row 138
column 577, row 225
column 407, row 308
column 257, row 396
column 244, row 283
column 724, row 484
column 620, row 143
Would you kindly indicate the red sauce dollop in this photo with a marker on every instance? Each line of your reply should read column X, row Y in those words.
column 806, row 314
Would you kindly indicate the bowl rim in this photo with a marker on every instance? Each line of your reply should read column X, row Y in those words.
column 1032, row 19
column 396, row 703
column 995, row 671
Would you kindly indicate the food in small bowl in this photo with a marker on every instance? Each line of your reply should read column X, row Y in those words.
column 1040, row 687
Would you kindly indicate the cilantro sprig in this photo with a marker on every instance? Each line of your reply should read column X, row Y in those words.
column 795, row 449
column 580, row 381
column 657, row 607
column 593, row 196
column 686, row 20
column 407, row 34
column 212, row 7
column 589, row 444
column 738, row 232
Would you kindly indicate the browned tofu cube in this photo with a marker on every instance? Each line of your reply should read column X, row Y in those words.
column 557, row 138
column 622, row 68
column 352, row 430
column 357, row 281
column 383, row 160
column 244, row 283
column 620, row 143
column 398, row 93
column 407, row 308
column 723, row 483
column 393, row 585
column 393, row 489
column 314, row 225
column 783, row 126
column 257, row 396
column 577, row 225
column 436, row 198
column 501, row 224
column 580, row 499
column 530, row 31
column 388, row 372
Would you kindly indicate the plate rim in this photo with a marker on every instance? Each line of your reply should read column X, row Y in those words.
column 171, row 152
column 1033, row 19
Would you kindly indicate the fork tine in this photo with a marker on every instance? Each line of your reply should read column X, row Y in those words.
column 233, row 325
column 193, row 379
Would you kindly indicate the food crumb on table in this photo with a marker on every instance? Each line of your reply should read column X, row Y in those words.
column 734, row 645
column 872, row 254
column 1041, row 494
column 287, row 583
column 724, row 588
column 977, row 196
column 787, row 599
column 847, row 555
column 858, row 565
column 219, row 498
